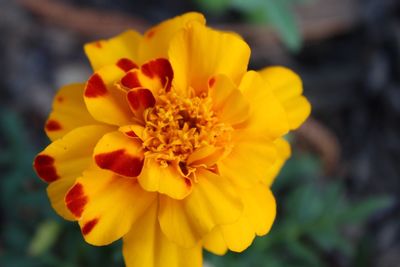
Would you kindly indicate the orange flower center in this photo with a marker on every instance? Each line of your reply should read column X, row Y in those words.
column 177, row 126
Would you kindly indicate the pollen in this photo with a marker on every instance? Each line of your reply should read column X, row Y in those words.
column 177, row 126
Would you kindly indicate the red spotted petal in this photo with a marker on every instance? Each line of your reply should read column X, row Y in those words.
column 76, row 200
column 44, row 166
column 120, row 162
column 88, row 226
column 140, row 99
column 131, row 80
column 126, row 64
column 95, row 87
column 160, row 68
column 53, row 125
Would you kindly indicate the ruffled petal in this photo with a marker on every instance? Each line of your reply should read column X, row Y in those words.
column 259, row 208
column 228, row 102
column 106, row 205
column 267, row 115
column 213, row 201
column 120, row 154
column 145, row 245
column 69, row 112
column 197, row 53
column 121, row 50
column 64, row 160
column 156, row 40
column 283, row 152
column 104, row 100
column 215, row 242
column 287, row 87
column 249, row 160
column 165, row 180
column 239, row 235
column 257, row 218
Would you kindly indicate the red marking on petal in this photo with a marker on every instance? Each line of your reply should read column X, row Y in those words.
column 60, row 99
column 211, row 82
column 53, row 125
column 131, row 80
column 141, row 98
column 44, row 166
column 120, row 162
column 126, row 64
column 214, row 169
column 160, row 68
column 98, row 44
column 188, row 182
column 150, row 34
column 95, row 87
column 131, row 134
column 76, row 200
column 88, row 227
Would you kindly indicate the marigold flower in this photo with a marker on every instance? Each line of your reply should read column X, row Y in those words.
column 171, row 144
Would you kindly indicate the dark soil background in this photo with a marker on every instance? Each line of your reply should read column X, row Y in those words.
column 350, row 66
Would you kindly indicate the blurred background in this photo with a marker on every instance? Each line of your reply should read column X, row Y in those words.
column 338, row 195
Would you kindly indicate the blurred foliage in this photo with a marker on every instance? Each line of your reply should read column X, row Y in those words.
column 313, row 216
column 277, row 13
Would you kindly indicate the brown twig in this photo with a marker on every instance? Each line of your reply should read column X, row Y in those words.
column 323, row 141
column 85, row 21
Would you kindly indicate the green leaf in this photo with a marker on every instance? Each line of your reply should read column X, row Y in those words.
column 44, row 238
column 304, row 254
column 214, row 6
column 304, row 204
column 281, row 16
column 277, row 13
column 331, row 239
column 359, row 212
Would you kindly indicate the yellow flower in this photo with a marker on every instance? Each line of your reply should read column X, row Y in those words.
column 171, row 144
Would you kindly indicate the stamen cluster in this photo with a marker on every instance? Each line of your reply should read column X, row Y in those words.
column 177, row 126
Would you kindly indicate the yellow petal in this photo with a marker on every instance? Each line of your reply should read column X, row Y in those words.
column 197, row 53
column 120, row 154
column 267, row 116
column 283, row 150
column 56, row 192
column 157, row 39
column 205, row 156
column 110, row 52
column 69, row 112
column 259, row 208
column 249, row 160
column 146, row 246
column 288, row 88
column 165, row 180
column 105, row 102
column 239, row 235
column 64, row 160
column 257, row 218
column 215, row 242
column 106, row 205
column 213, row 201
column 228, row 102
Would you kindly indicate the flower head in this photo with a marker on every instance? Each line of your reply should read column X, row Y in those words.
column 171, row 144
